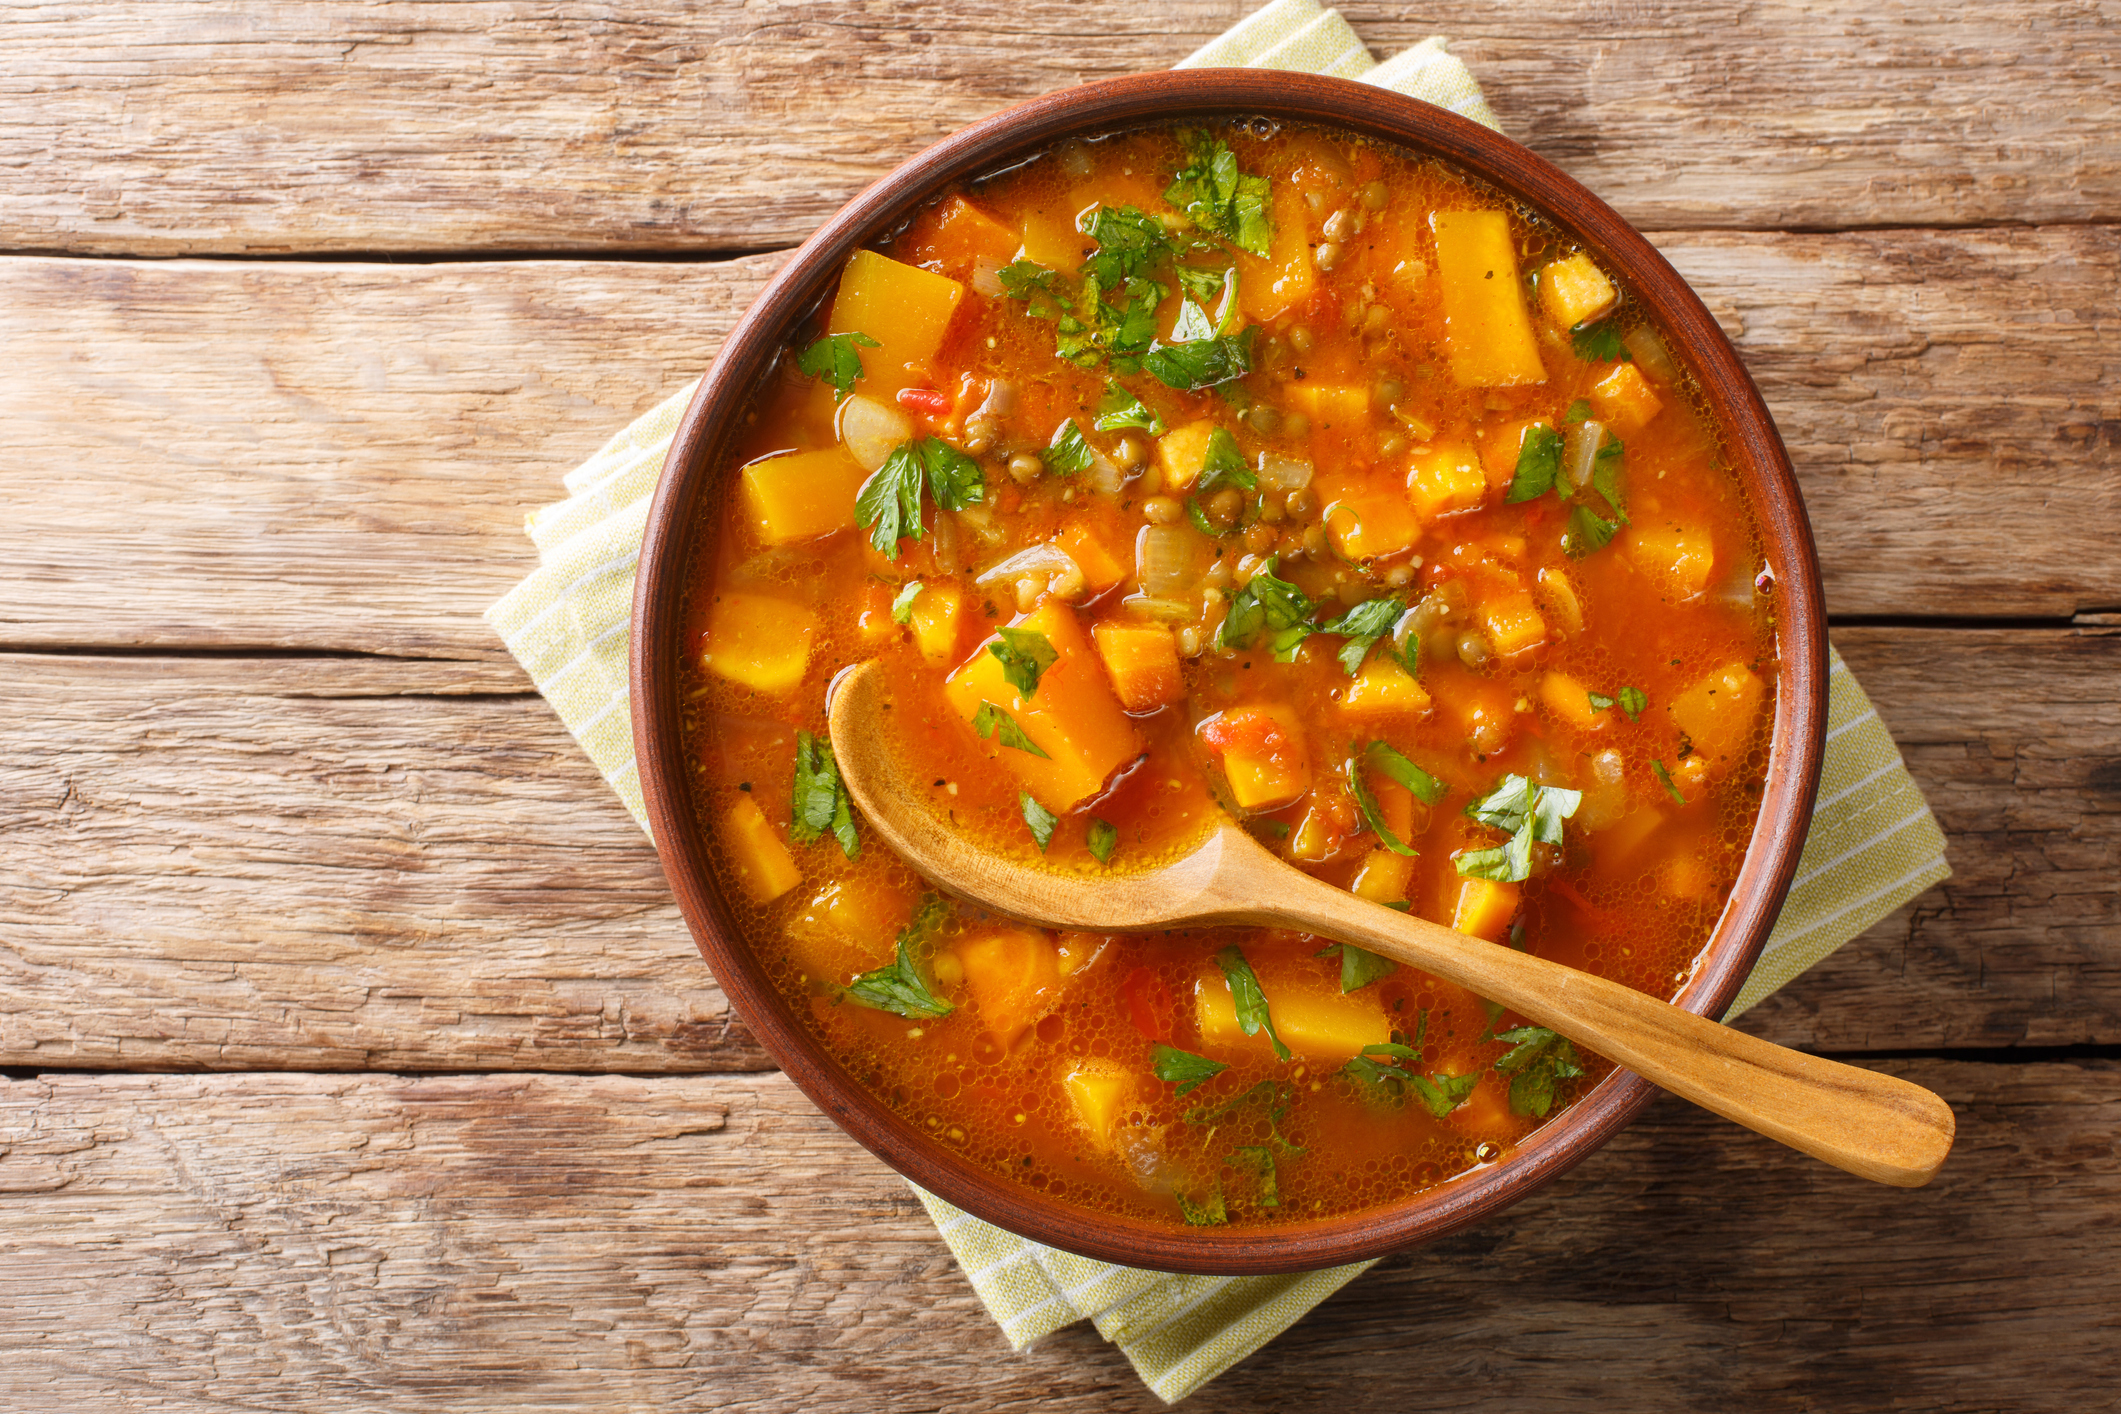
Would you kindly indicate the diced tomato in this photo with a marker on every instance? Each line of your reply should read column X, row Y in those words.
column 924, row 400
column 1256, row 730
column 1149, row 1004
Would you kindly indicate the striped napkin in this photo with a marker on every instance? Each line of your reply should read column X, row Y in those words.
column 1873, row 843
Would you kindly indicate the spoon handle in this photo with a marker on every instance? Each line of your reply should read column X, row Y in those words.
column 1875, row 1126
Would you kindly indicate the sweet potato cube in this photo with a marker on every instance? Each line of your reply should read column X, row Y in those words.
column 801, row 495
column 874, row 626
column 1101, row 568
column 1263, row 754
column 1570, row 702
column 1014, row 979
column 1052, row 239
column 1102, row 1095
column 904, row 308
column 1314, row 1018
column 1678, row 557
column 759, row 642
column 1575, row 290
column 1384, row 689
column 849, row 926
column 1367, row 518
column 1500, row 449
column 1446, row 479
column 966, row 233
column 1073, row 717
column 1142, row 660
column 1383, row 876
column 1339, row 413
column 1625, row 400
column 1718, row 714
column 933, row 617
column 1485, row 908
column 1488, row 335
column 1269, row 288
column 764, row 869
column 1181, row 452
column 1512, row 622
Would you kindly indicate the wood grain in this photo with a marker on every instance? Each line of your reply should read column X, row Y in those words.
column 133, row 128
column 314, row 863
column 472, row 1243
column 339, row 456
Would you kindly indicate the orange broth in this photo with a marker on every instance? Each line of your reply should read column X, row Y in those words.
column 1379, row 444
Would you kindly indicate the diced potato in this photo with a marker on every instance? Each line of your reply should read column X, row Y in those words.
column 1718, row 714
column 1383, row 876
column 1314, row 1018
column 1102, row 1095
column 1052, row 239
column 1142, row 660
column 1485, row 908
column 1446, row 479
column 1263, row 754
column 1181, row 452
column 904, row 308
column 1101, row 568
column 1512, row 622
column 1384, row 689
column 1487, row 329
column 1014, row 977
column 1270, row 288
column 1625, row 400
column 849, row 926
column 760, row 642
column 1367, row 517
column 1575, row 290
column 1570, row 701
column 968, row 233
column 764, row 869
column 1338, row 411
column 801, row 495
column 1679, row 557
column 933, row 617
column 1073, row 717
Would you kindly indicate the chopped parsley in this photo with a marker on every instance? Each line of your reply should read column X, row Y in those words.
column 1265, row 602
column 1599, row 701
column 1530, row 814
column 1363, row 625
column 901, row 987
column 1200, row 519
column 1184, row 1069
column 1201, row 363
column 1224, row 463
column 1249, row 1001
column 1588, row 533
column 1068, row 454
column 1605, row 476
column 1599, row 343
column 1359, row 967
column 1664, row 778
column 1276, row 1096
column 902, row 606
column 1037, row 818
column 1425, row 787
column 1221, row 199
column 1371, row 815
column 991, row 723
column 1261, row 1159
column 1120, row 409
column 820, row 804
column 889, row 504
column 836, row 358
column 1102, row 838
column 1538, row 464
column 1633, row 700
column 1209, row 1212
column 1579, row 411
column 1536, row 1062
column 954, row 479
column 1024, row 654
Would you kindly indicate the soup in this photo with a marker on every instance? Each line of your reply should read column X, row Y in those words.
column 1230, row 470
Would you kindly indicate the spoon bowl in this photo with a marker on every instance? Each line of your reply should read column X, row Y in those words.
column 1875, row 1126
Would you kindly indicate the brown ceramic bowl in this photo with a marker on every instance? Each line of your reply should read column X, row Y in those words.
column 695, row 470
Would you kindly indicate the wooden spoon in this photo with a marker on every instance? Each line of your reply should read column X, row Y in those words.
column 1875, row 1126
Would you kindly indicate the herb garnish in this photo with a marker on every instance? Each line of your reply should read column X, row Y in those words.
column 1184, row 1069
column 1538, row 464
column 1264, row 602
column 1276, row 1095
column 1250, row 1002
column 1579, row 411
column 1068, row 454
column 1261, row 1158
column 991, row 723
column 889, row 504
column 1632, row 701
column 1209, row 1212
column 1599, row 343
column 1537, row 1060
column 1588, row 532
column 1223, row 463
column 1530, row 813
column 1121, row 409
column 1102, row 838
column 1664, row 778
column 901, row 987
column 820, row 803
column 1201, row 363
column 1359, row 967
column 1221, row 199
column 1024, row 654
column 1363, row 625
column 902, row 606
column 1038, row 818
column 837, row 359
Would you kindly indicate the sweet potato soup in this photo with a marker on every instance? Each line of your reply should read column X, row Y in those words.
column 1245, row 470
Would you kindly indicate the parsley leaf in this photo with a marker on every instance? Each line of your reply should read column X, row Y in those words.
column 1033, row 283
column 821, row 802
column 889, row 504
column 1528, row 813
column 1068, row 454
column 1192, row 325
column 1538, row 464
column 1371, row 815
column 1261, row 1158
column 1201, row 283
column 1444, row 1093
column 954, row 479
column 1201, row 363
column 1664, row 778
column 1588, row 533
column 1249, row 1001
column 1599, row 701
column 1102, row 838
column 1024, row 654
column 1223, row 462
column 1536, row 1061
column 1363, row 625
column 1605, row 477
column 1200, row 519
column 991, row 723
column 1184, row 1069
column 1209, row 1212
column 1275, row 1095
column 1264, row 602
column 1221, row 199
column 1359, row 967
column 1632, row 701
column 1130, row 243
column 1579, row 411
column 900, row 987
column 1120, row 408
column 1427, row 789
column 902, row 607
column 1599, row 343
column 837, row 359
column 1040, row 820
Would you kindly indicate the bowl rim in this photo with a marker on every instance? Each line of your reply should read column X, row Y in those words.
column 1755, row 449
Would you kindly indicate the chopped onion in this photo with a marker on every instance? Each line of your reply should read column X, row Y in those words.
column 945, row 544
column 1558, row 597
column 1000, row 400
column 871, row 431
column 1280, row 473
column 986, row 277
column 978, row 522
column 1041, row 562
column 1167, row 561
column 1105, row 476
column 1650, row 352
column 1166, row 610
column 1579, row 452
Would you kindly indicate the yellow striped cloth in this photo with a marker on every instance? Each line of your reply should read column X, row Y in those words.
column 1872, row 847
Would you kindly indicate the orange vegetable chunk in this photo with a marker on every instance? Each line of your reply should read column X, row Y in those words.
column 1717, row 713
column 760, row 642
column 1575, row 290
column 1073, row 717
column 1142, row 660
column 1570, row 701
column 1384, row 689
column 1625, row 400
column 1101, row 568
column 1014, row 977
column 1678, row 557
column 801, row 495
column 758, row 858
column 965, row 231
column 1485, row 908
column 1512, row 622
column 1181, row 453
column 1269, row 288
column 1313, row 1017
column 1367, row 517
column 904, row 308
column 1263, row 754
column 933, row 616
column 1446, row 479
column 1102, row 1094
column 1487, row 329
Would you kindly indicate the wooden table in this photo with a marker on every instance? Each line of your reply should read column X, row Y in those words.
column 355, row 1056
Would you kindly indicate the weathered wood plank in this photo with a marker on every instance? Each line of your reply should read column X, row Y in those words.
column 330, row 456
column 151, row 129
column 572, row 1243
column 318, row 864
